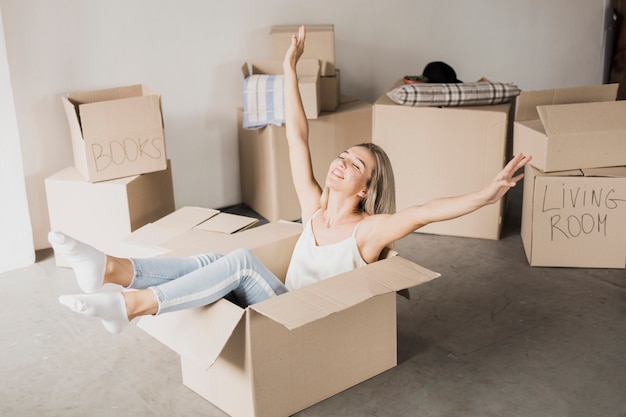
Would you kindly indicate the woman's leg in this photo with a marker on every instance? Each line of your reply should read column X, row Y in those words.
column 93, row 268
column 239, row 272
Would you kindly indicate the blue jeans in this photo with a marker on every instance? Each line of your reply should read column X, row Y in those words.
column 181, row 283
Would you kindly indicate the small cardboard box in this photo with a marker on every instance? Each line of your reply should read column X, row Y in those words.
column 440, row 152
column 285, row 354
column 102, row 213
column 572, row 128
column 330, row 92
column 308, row 81
column 116, row 132
column 575, row 218
column 266, row 184
column 320, row 44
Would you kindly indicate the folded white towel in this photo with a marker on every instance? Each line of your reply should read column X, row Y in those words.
column 263, row 101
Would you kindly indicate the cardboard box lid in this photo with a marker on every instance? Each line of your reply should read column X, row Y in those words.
column 528, row 101
column 227, row 223
column 309, row 28
column 583, row 118
column 115, row 109
column 610, row 172
column 108, row 94
column 305, row 305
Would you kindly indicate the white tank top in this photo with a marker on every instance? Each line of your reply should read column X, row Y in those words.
column 311, row 263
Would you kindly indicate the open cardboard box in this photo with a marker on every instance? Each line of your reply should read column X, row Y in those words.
column 438, row 152
column 572, row 128
column 575, row 218
column 282, row 355
column 116, row 132
column 309, row 83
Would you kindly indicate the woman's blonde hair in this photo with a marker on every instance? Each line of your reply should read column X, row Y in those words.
column 381, row 188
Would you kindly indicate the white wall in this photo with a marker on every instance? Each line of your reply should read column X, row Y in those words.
column 16, row 241
column 191, row 52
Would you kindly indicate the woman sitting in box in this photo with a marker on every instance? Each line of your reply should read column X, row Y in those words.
column 346, row 225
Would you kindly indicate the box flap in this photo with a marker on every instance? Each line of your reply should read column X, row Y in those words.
column 289, row 29
column 227, row 223
column 129, row 115
column 583, row 118
column 199, row 334
column 305, row 305
column 611, row 172
column 187, row 217
column 116, row 93
column 528, row 101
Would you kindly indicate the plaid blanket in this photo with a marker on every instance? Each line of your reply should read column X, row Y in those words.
column 263, row 101
column 453, row 94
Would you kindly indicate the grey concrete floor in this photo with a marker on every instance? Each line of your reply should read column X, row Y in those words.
column 491, row 337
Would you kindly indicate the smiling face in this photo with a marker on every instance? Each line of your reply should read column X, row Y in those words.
column 351, row 171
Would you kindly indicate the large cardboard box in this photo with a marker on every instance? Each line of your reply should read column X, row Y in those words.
column 116, row 132
column 575, row 218
column 441, row 152
column 309, row 83
column 104, row 212
column 572, row 128
column 320, row 44
column 266, row 184
column 285, row 354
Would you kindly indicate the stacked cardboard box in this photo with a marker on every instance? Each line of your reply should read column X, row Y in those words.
column 342, row 122
column 121, row 178
column 574, row 205
column 438, row 152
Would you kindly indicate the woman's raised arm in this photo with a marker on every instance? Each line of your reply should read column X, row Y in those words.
column 297, row 127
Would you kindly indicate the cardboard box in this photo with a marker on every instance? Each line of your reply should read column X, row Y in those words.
column 285, row 354
column 308, row 81
column 102, row 213
column 441, row 152
column 572, row 128
column 575, row 218
column 266, row 184
column 116, row 132
column 320, row 44
column 330, row 92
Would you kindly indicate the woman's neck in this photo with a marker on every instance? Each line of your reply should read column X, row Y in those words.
column 340, row 212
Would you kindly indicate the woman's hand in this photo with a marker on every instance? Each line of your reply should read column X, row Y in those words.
column 295, row 50
column 505, row 179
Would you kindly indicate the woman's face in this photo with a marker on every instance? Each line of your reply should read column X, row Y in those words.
column 351, row 170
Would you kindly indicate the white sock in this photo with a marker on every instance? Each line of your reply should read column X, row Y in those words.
column 87, row 262
column 109, row 307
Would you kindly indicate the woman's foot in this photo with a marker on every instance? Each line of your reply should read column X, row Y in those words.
column 110, row 307
column 88, row 263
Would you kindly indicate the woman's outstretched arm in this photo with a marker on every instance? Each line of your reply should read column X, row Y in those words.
column 389, row 228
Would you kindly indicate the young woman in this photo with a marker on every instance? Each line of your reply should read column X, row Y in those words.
column 347, row 224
